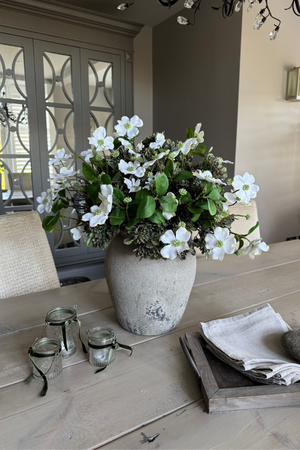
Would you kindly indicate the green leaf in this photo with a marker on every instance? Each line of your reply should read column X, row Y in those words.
column 116, row 177
column 201, row 148
column 189, row 133
column 203, row 204
column 133, row 207
column 89, row 172
column 62, row 193
column 168, row 204
column 93, row 191
column 214, row 195
column 195, row 217
column 132, row 222
column 169, row 169
column 141, row 194
column 195, row 152
column 117, row 216
column 105, row 179
column 50, row 221
column 117, row 196
column 241, row 244
column 146, row 207
column 186, row 198
column 157, row 217
column 59, row 204
column 99, row 163
column 211, row 207
column 184, row 175
column 162, row 184
column 195, row 209
column 253, row 228
column 208, row 188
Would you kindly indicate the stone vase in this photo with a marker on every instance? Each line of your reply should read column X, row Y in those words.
column 149, row 296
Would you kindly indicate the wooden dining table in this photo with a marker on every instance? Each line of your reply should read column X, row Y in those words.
column 152, row 399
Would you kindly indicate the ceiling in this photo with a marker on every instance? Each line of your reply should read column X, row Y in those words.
column 145, row 12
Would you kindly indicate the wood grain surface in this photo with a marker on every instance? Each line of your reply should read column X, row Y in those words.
column 155, row 391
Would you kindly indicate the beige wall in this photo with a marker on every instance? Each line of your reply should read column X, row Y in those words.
column 268, row 131
column 143, row 80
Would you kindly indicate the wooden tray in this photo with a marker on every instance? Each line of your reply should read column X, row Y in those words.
column 225, row 389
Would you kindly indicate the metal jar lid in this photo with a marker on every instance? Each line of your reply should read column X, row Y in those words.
column 46, row 347
column 58, row 316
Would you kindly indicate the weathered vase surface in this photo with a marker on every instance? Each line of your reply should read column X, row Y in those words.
column 149, row 296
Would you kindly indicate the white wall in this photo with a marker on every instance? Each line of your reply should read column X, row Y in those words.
column 268, row 131
column 143, row 80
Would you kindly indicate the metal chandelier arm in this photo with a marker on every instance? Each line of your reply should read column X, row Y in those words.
column 167, row 3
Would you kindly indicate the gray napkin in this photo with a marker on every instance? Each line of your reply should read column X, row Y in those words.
column 250, row 343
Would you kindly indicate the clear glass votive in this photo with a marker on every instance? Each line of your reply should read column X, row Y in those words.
column 61, row 324
column 102, row 346
column 46, row 355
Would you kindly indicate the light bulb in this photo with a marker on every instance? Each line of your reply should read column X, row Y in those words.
column 249, row 7
column 123, row 6
column 189, row 4
column 273, row 34
column 238, row 6
column 182, row 20
column 257, row 25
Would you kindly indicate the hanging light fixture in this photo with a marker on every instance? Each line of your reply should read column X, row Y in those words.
column 228, row 8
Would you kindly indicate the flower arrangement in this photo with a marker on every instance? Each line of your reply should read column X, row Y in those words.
column 166, row 203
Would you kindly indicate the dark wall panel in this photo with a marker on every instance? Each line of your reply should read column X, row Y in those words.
column 196, row 76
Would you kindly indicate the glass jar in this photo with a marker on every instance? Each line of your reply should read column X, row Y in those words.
column 46, row 355
column 62, row 324
column 102, row 346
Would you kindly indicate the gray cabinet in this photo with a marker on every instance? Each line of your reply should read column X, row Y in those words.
column 54, row 95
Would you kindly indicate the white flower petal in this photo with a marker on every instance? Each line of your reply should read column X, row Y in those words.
column 218, row 253
column 230, row 246
column 221, row 234
column 168, row 252
column 167, row 237
column 211, row 241
column 183, row 235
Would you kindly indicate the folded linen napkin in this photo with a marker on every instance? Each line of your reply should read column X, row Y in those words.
column 250, row 343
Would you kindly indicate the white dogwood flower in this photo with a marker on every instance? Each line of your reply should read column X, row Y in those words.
column 129, row 147
column 101, row 141
column 207, row 176
column 220, row 243
column 159, row 141
column 77, row 232
column 87, row 155
column 95, row 217
column 60, row 158
column 245, row 187
column 231, row 197
column 132, row 168
column 160, row 156
column 46, row 201
column 169, row 215
column 99, row 213
column 106, row 197
column 199, row 134
column 133, row 185
column 189, row 145
column 175, row 244
column 255, row 248
column 129, row 127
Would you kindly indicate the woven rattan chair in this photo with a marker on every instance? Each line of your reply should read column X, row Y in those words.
column 25, row 257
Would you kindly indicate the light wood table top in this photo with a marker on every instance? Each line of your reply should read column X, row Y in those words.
column 155, row 390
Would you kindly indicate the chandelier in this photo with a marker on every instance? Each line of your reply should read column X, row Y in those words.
column 228, row 8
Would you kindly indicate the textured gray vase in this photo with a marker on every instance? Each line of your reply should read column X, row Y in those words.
column 149, row 296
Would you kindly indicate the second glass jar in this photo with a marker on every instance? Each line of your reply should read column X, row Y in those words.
column 101, row 352
column 61, row 324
